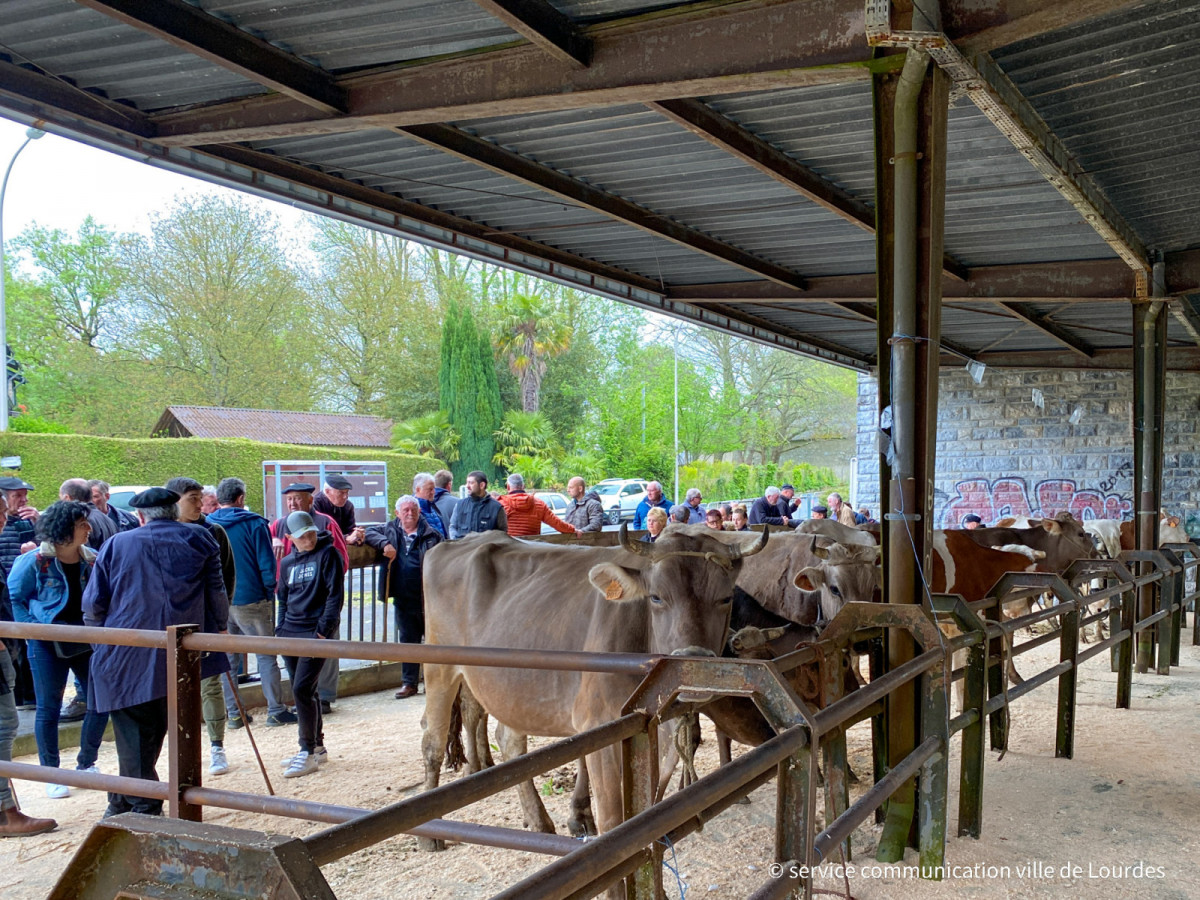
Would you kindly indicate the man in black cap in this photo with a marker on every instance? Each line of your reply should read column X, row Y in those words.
column 787, row 501
column 298, row 497
column 309, row 598
column 17, row 538
column 163, row 573
column 820, row 512
column 972, row 521
column 335, row 503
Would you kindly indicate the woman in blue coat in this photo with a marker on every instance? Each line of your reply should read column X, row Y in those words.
column 46, row 586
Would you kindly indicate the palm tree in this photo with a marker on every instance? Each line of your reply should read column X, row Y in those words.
column 428, row 435
column 526, row 434
column 531, row 331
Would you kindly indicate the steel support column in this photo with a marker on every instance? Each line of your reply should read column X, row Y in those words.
column 1149, row 392
column 910, row 140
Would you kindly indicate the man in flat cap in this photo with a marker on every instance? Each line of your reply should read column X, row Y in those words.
column 164, row 573
column 298, row 497
column 335, row 503
column 253, row 600
column 972, row 521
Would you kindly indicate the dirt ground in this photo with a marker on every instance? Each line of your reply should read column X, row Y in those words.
column 1051, row 827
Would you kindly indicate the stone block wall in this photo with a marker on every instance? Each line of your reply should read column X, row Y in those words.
column 998, row 454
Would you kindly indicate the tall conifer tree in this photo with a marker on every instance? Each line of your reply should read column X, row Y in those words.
column 469, row 392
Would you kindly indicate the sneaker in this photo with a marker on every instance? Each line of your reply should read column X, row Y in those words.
column 301, row 764
column 72, row 711
column 236, row 722
column 219, row 764
column 319, row 752
column 57, row 791
column 93, row 768
column 326, row 707
column 285, row 717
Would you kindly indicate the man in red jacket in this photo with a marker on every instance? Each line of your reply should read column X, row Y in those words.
column 526, row 513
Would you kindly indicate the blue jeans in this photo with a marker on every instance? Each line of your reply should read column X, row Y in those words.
column 49, row 680
column 8, row 720
column 256, row 618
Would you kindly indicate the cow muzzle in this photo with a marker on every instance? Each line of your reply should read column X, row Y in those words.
column 692, row 651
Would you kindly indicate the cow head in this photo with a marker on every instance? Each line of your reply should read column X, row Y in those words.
column 1071, row 530
column 846, row 573
column 687, row 583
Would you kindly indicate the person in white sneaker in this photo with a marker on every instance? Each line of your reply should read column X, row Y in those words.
column 47, row 587
column 309, row 600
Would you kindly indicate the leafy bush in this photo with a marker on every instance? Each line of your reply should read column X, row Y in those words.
column 34, row 425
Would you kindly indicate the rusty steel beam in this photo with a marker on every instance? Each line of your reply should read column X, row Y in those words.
column 720, row 131
column 1182, row 359
column 513, row 165
column 40, row 96
column 543, row 26
column 650, row 57
column 1186, row 310
column 190, row 28
column 1048, row 326
column 694, row 51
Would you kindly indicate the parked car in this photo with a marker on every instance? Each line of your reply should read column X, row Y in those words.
column 120, row 495
column 619, row 498
column 557, row 503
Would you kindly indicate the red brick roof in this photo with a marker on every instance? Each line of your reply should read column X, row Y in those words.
column 275, row 426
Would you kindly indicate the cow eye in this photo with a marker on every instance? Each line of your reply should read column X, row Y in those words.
column 833, row 589
column 656, row 600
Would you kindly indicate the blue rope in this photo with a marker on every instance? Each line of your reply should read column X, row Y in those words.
column 674, row 869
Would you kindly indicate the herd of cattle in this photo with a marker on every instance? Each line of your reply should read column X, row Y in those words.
column 693, row 592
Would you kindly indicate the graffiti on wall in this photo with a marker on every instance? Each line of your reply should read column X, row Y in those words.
column 1011, row 496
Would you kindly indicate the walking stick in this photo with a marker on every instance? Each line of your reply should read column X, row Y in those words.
column 250, row 734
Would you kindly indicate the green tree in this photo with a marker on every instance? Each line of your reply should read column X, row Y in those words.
column 469, row 394
column 217, row 307
column 82, row 276
column 375, row 320
column 523, row 434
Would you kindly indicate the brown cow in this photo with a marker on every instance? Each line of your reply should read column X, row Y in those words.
column 488, row 590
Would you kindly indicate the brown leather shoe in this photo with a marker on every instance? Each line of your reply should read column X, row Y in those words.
column 14, row 823
column 408, row 690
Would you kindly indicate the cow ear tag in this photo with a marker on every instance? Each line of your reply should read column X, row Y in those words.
column 614, row 591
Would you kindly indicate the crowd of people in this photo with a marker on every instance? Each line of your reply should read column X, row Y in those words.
column 195, row 554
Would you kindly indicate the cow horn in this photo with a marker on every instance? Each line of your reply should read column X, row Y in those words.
column 635, row 547
column 759, row 545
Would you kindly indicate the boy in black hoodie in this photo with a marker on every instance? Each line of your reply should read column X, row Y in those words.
column 309, row 596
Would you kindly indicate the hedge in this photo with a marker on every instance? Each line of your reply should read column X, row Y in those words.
column 47, row 460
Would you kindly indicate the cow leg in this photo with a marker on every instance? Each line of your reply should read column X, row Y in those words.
column 724, row 748
column 512, row 745
column 581, row 822
column 479, row 753
column 441, row 687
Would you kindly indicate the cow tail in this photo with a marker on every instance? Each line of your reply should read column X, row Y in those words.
column 455, row 755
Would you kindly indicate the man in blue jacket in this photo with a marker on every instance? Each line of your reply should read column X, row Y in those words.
column 164, row 573
column 654, row 497
column 253, row 606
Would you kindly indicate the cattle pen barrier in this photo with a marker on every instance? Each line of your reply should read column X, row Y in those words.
column 132, row 849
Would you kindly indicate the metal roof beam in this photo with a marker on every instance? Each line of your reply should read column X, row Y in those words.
column 1178, row 358
column 721, row 131
column 505, row 162
column 999, row 99
column 190, row 28
column 1049, row 327
column 1186, row 310
column 543, row 25
column 697, row 50
column 41, row 96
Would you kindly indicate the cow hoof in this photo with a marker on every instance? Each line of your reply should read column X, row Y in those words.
column 585, row 827
column 850, row 776
column 545, row 826
column 743, row 801
column 431, row 845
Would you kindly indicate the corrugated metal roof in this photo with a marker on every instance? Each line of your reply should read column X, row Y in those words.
column 275, row 426
column 1120, row 91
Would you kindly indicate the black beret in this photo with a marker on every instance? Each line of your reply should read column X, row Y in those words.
column 12, row 483
column 152, row 497
column 338, row 482
column 971, row 517
column 823, row 510
column 301, row 487
column 787, row 487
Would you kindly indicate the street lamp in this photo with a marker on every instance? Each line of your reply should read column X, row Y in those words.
column 31, row 134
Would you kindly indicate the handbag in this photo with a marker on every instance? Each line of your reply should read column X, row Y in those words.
column 70, row 649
